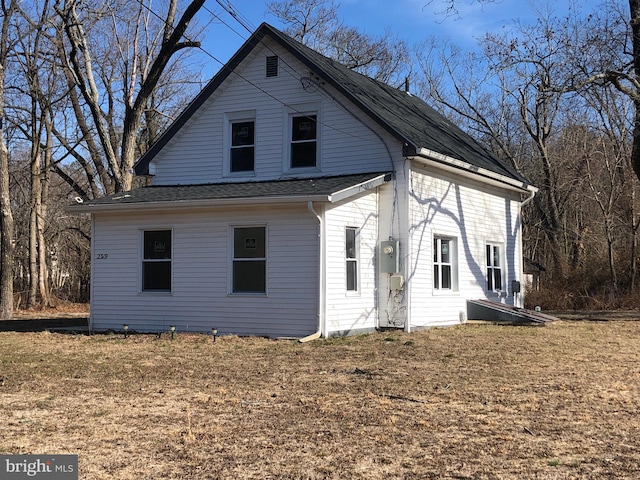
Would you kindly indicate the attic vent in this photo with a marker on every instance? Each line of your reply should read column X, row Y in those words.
column 272, row 66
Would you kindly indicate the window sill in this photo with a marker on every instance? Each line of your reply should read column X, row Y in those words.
column 292, row 171
column 246, row 174
column 446, row 293
column 497, row 293
column 247, row 294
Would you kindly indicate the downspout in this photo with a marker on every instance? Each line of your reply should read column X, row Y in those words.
column 406, row 269
column 321, row 277
column 532, row 193
column 92, row 267
column 518, row 298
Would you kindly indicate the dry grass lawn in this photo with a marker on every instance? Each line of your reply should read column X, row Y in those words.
column 472, row 402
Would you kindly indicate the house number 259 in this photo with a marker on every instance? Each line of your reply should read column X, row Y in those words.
column 102, row 256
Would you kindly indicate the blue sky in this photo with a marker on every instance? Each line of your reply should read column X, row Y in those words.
column 411, row 20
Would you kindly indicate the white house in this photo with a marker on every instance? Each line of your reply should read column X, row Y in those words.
column 294, row 197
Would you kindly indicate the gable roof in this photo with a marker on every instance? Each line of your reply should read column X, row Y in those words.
column 319, row 189
column 406, row 117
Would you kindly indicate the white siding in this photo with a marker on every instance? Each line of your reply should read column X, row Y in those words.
column 346, row 145
column 418, row 204
column 473, row 214
column 200, row 296
column 346, row 311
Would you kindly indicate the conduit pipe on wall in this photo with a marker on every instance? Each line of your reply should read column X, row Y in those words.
column 321, row 277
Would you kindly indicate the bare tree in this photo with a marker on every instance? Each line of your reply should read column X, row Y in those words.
column 508, row 95
column 136, row 75
column 316, row 24
column 557, row 99
column 32, row 115
column 605, row 51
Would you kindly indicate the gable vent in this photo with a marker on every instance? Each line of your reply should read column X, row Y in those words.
column 272, row 66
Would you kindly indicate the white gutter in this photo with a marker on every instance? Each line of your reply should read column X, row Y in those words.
column 321, row 279
column 361, row 187
column 438, row 160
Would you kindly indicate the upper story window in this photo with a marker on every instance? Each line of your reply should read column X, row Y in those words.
column 304, row 141
column 242, row 153
column 494, row 267
column 239, row 143
column 156, row 261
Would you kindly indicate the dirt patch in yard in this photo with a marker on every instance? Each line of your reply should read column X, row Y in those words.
column 472, row 402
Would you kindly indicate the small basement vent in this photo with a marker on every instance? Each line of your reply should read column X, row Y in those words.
column 272, row 66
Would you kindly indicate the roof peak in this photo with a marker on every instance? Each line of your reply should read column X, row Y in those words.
column 405, row 116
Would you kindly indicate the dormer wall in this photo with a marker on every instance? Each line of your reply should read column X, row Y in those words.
column 261, row 114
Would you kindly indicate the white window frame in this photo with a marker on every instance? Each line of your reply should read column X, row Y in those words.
column 352, row 258
column 301, row 111
column 233, row 260
column 439, row 265
column 144, row 261
column 491, row 267
column 229, row 119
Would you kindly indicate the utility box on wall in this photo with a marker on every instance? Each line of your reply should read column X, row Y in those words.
column 390, row 256
column 396, row 282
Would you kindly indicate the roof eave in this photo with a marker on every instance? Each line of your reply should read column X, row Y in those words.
column 180, row 204
column 429, row 157
column 361, row 187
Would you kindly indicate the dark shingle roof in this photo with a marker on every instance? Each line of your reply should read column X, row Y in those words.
column 405, row 116
column 291, row 189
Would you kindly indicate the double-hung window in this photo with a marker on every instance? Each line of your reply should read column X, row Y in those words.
column 444, row 263
column 494, row 267
column 351, row 258
column 304, row 142
column 249, row 260
column 239, row 143
column 242, row 149
column 156, row 261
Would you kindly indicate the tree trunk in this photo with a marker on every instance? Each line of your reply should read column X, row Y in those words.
column 634, row 7
column 6, row 216
column 34, row 206
column 6, row 228
column 43, row 284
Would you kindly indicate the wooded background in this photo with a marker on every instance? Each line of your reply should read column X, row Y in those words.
column 86, row 87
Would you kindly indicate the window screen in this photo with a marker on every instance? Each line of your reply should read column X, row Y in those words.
column 242, row 146
column 303, row 141
column 249, row 260
column 156, row 260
